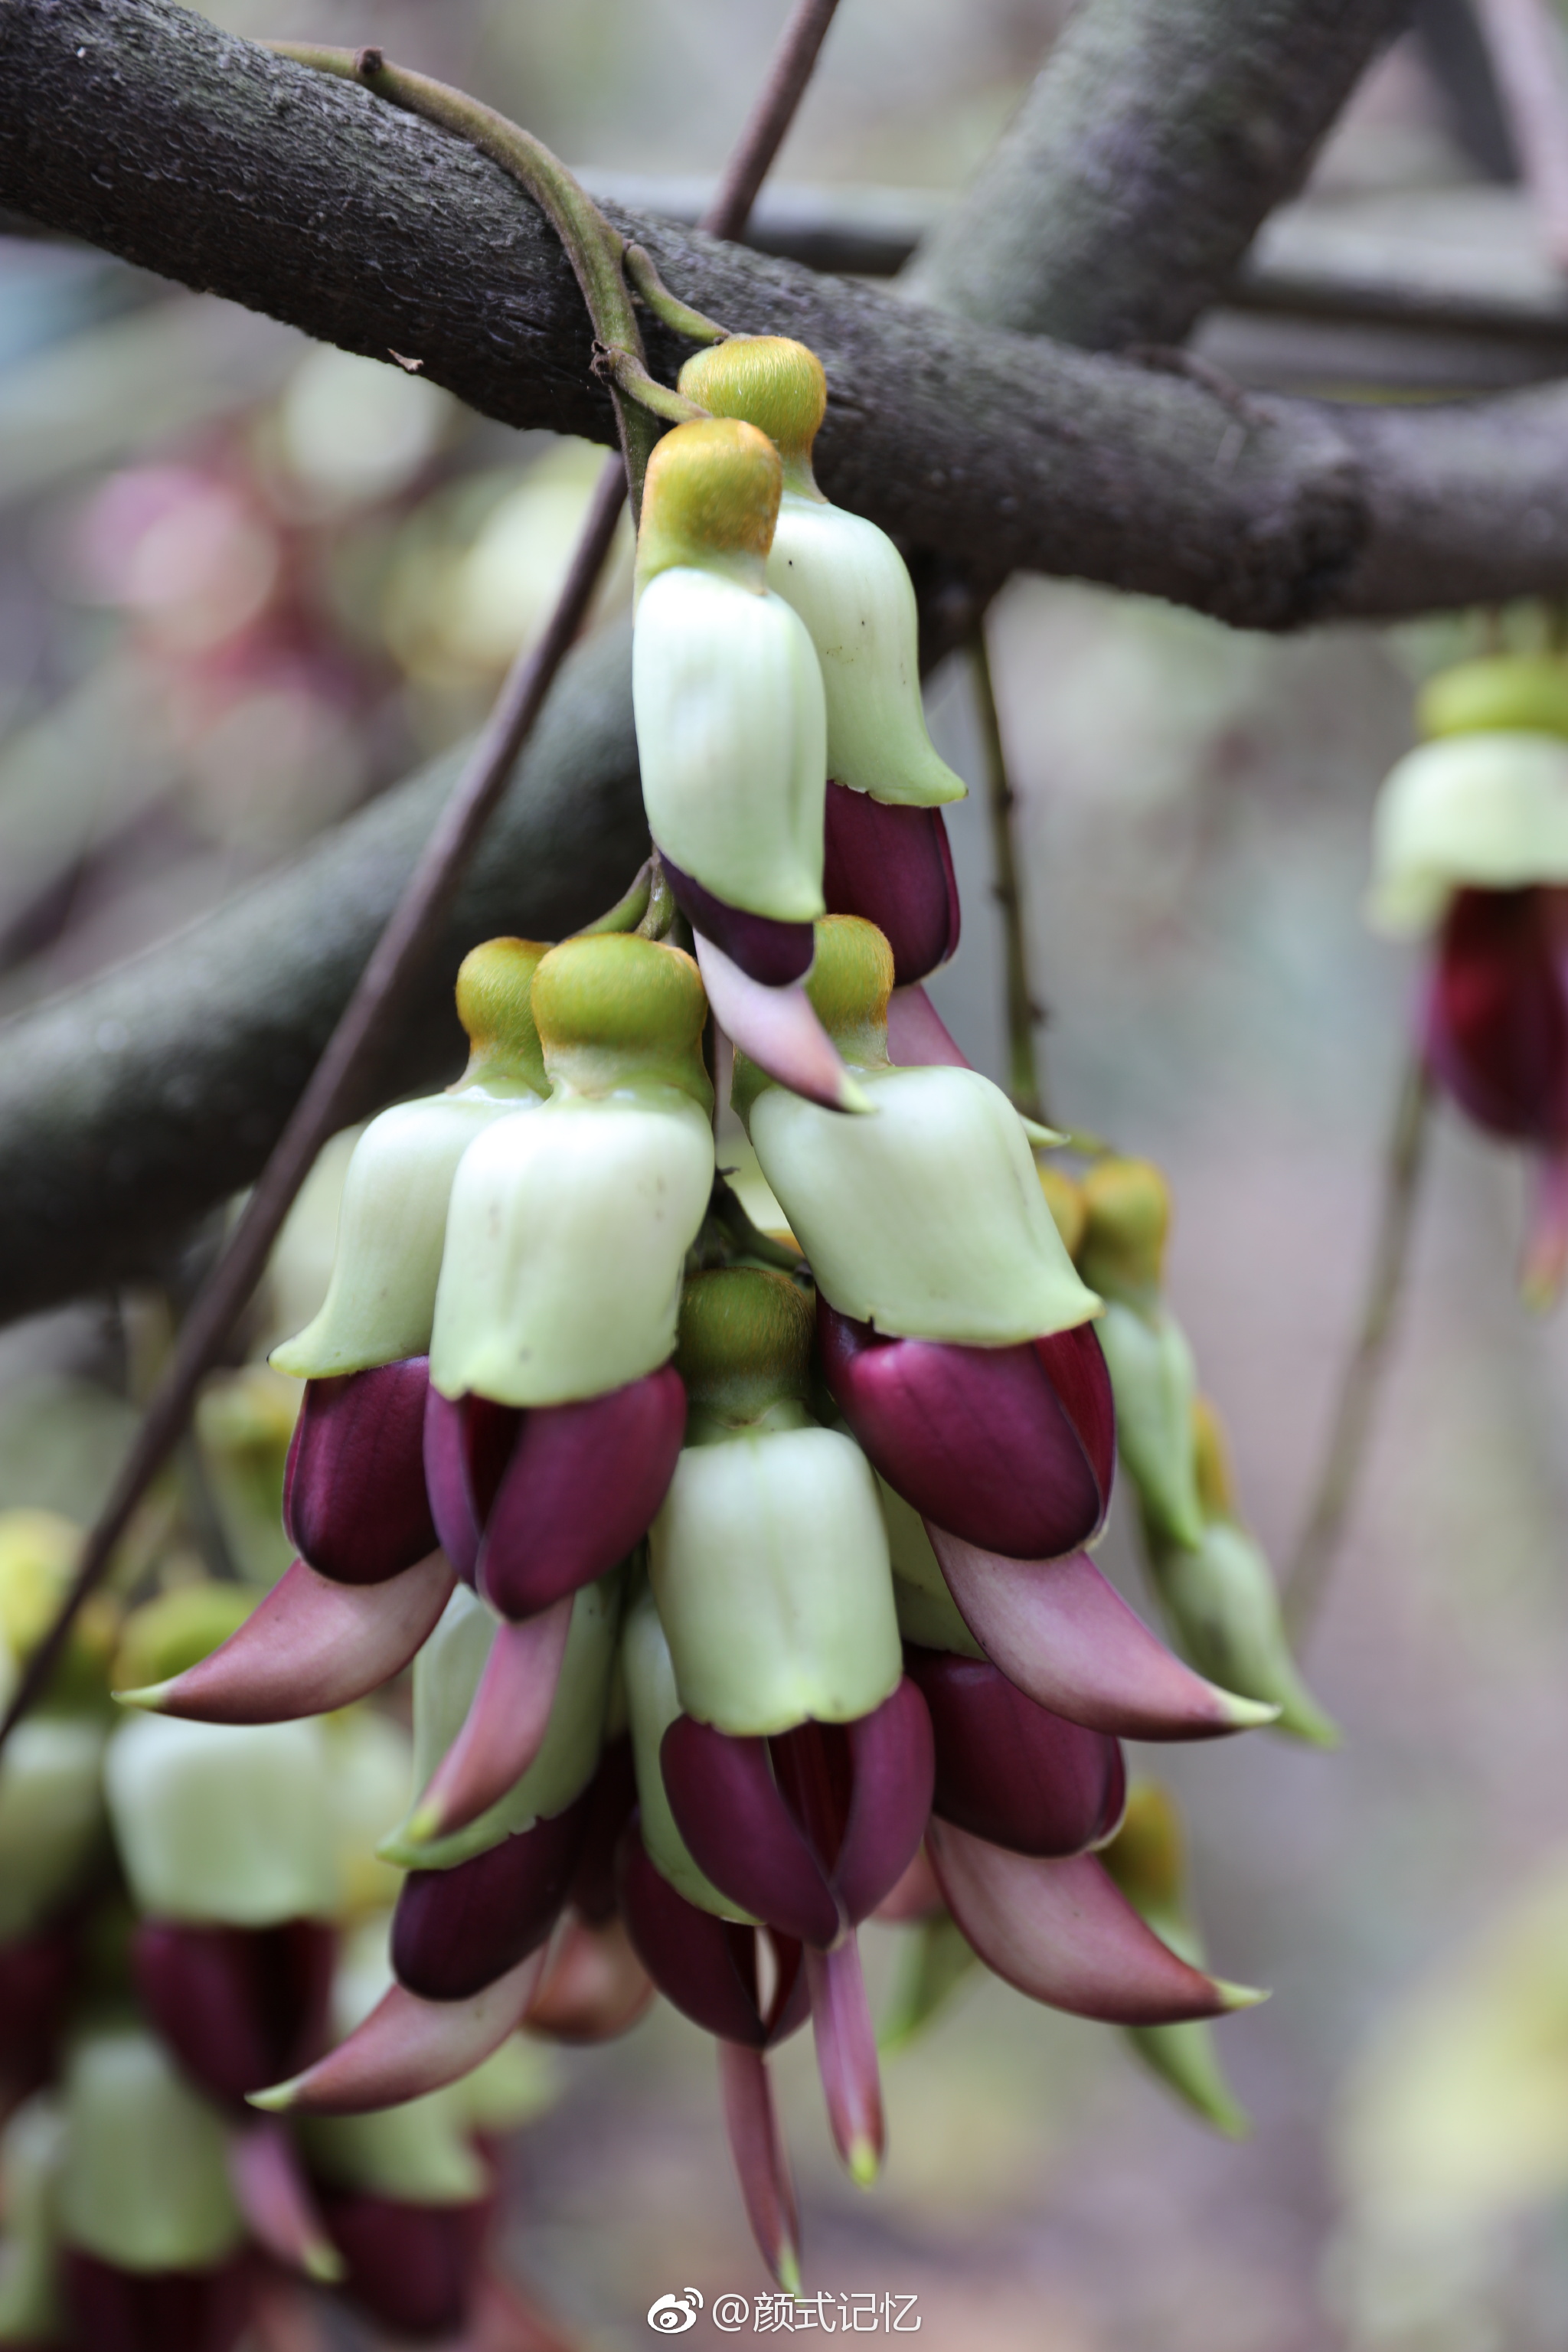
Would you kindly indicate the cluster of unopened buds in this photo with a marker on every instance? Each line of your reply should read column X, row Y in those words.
column 745, row 1575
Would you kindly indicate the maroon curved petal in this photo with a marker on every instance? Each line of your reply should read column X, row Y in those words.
column 504, row 1728
column 742, row 1833
column 1496, row 1011
column 467, row 1444
column 975, row 1438
column 38, row 1976
column 761, row 2160
column 706, row 1968
column 455, row 1931
column 766, row 950
column 239, row 2007
column 1011, row 1772
column 612, row 1799
column 581, row 1489
column 892, row 1764
column 354, row 1491
column 1080, row 1377
column 411, row 2268
column 918, row 1037
column 892, row 864
column 847, row 2056
column 154, row 2311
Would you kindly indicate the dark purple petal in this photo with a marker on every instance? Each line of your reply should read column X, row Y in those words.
column 311, row 1646
column 1011, row 1772
column 893, row 1766
column 847, row 2057
column 706, row 1968
column 1496, row 1011
column 1076, row 1366
column 468, row 1442
column 742, row 1833
column 766, row 950
column 975, row 1438
column 892, row 864
column 580, row 1491
column 455, row 1931
column 504, row 1728
column 1069, row 1641
column 113, row 2310
column 1064, row 1933
column 354, row 1493
column 38, row 1976
column 411, row 2268
column 612, row 1799
column 761, row 2160
column 239, row 2007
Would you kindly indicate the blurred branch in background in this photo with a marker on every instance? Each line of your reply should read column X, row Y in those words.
column 1530, row 65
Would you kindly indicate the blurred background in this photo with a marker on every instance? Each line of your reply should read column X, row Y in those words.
column 246, row 583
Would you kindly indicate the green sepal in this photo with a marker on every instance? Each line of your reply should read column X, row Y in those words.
column 224, row 1824
column 1495, row 692
column 144, row 2179
column 652, row 1706
column 1223, row 1606
column 931, row 1960
column 1154, row 1382
column 927, row 1610
column 446, row 1674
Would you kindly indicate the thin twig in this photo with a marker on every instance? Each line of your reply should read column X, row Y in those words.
column 408, row 937
column 1530, row 62
column 1023, row 1014
column 1309, row 1572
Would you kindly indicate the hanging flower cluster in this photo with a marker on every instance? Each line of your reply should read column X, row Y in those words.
column 746, row 1579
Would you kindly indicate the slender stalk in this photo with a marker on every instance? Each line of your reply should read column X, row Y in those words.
column 1529, row 63
column 1022, row 1013
column 752, row 157
column 1307, row 1579
column 372, row 1009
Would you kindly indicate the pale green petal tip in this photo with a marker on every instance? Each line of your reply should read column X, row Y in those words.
column 853, row 1097
column 1044, row 1139
column 150, row 1699
column 1246, row 1713
column 424, row 1823
column 788, row 2272
column 1237, row 1996
column 278, row 2099
column 323, row 2263
column 296, row 1356
column 864, row 2164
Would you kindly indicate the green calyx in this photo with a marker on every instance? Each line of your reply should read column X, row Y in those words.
column 745, row 1345
column 495, row 982
column 1147, row 1858
column 1212, row 1465
column 771, row 382
column 1498, row 692
column 1127, row 1216
column 177, row 1630
column 711, row 501
column 614, row 1008
column 849, row 984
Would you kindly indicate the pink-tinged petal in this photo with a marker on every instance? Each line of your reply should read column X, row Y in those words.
column 279, row 2209
column 764, row 949
column 1546, row 1240
column 761, row 2160
column 354, row 1502
column 154, row 2311
column 893, row 1766
column 975, row 1438
column 918, row 1037
column 846, row 2058
column 504, row 1728
column 455, row 1931
column 581, row 1489
column 892, row 864
column 1069, row 1641
column 1497, row 1012
column 407, row 2046
column 468, row 1442
column 742, row 1833
column 239, row 2007
column 1063, row 1932
column 705, row 1967
column 1076, row 1366
column 413, row 2269
column 778, row 1029
column 915, row 1896
column 311, row 1646
column 595, row 1987
column 1008, row 1769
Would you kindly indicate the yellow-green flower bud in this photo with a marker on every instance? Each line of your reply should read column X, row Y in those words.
column 1499, row 690
column 32, row 2151
column 1485, row 811
column 145, row 2180
column 39, row 1553
column 744, row 1351
column 652, row 1706
column 381, row 1300
column 1064, row 1199
column 1126, row 1206
column 927, row 1219
column 843, row 575
column 52, row 1825
column 568, row 1230
column 223, row 1823
column 446, row 1674
column 244, row 1423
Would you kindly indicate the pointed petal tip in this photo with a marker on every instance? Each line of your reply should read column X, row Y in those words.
column 1238, row 1713
column 323, row 2263
column 853, row 1098
column 788, row 2271
column 424, row 1824
column 1044, row 1139
column 863, row 2162
column 277, row 2098
column 1237, row 1996
column 149, row 1699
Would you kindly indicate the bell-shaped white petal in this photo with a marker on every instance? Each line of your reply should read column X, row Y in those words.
column 224, row 1822
column 565, row 1241
column 852, row 589
column 1485, row 811
column 446, row 1674
column 926, row 1219
column 652, row 1706
column 769, row 1564
column 381, row 1300
column 1153, row 1381
column 732, row 740
column 52, row 1822
column 144, row 2181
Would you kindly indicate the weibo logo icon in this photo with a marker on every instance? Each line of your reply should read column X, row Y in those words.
column 672, row 2314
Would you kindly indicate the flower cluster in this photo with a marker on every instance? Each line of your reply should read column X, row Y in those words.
column 745, row 1578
